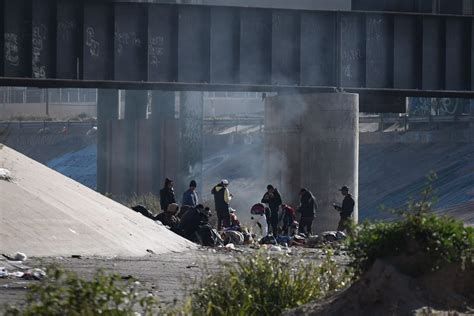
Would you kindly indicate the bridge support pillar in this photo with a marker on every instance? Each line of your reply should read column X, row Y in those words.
column 136, row 102
column 107, row 109
column 191, row 113
column 312, row 141
column 162, row 116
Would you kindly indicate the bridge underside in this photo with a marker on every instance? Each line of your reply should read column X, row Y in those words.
column 107, row 44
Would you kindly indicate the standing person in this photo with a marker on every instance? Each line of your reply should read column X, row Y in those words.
column 273, row 199
column 345, row 210
column 307, row 206
column 190, row 197
column 167, row 195
column 222, row 199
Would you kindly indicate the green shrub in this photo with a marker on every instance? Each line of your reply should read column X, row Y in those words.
column 417, row 243
column 64, row 293
column 266, row 285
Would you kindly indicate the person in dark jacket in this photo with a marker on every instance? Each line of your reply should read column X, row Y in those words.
column 167, row 195
column 194, row 218
column 190, row 197
column 169, row 218
column 346, row 210
column 222, row 199
column 307, row 207
column 273, row 199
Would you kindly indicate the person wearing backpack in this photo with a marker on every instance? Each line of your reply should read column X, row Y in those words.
column 307, row 207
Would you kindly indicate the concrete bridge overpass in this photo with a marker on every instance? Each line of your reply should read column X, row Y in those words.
column 331, row 56
column 123, row 44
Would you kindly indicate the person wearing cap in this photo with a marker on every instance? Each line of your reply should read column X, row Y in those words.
column 222, row 199
column 307, row 207
column 168, row 217
column 167, row 195
column 273, row 199
column 345, row 211
column 190, row 197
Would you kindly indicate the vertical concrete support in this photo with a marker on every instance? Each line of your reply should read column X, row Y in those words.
column 136, row 102
column 312, row 141
column 162, row 110
column 107, row 109
column 191, row 114
column 471, row 112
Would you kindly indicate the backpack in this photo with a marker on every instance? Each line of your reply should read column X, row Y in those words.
column 268, row 240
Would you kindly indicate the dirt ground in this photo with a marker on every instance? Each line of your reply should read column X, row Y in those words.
column 169, row 276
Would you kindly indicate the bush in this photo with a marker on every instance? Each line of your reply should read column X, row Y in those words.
column 420, row 242
column 265, row 285
column 64, row 293
column 149, row 200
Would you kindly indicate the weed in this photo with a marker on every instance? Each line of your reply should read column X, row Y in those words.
column 149, row 200
column 420, row 242
column 64, row 293
column 266, row 285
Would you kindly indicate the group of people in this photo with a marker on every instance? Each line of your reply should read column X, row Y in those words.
column 271, row 217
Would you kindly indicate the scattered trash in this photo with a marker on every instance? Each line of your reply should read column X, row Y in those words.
column 20, row 256
column 275, row 248
column 230, row 246
column 34, row 274
column 17, row 274
column 5, row 175
column 192, row 266
column 150, row 251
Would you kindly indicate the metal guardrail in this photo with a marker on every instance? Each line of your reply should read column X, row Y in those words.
column 402, row 120
column 414, row 119
column 44, row 124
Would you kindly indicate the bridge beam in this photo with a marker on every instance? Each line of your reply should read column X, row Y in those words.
column 312, row 141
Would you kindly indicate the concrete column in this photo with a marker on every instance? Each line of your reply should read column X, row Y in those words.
column 312, row 141
column 162, row 109
column 191, row 112
column 136, row 102
column 107, row 109
column 471, row 110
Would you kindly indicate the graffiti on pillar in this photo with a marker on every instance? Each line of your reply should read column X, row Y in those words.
column 441, row 106
column 124, row 39
column 38, row 38
column 156, row 50
column 92, row 43
column 11, row 49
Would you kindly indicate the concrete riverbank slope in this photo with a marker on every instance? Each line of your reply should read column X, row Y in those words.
column 44, row 213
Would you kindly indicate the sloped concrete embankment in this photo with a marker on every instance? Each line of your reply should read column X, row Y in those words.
column 44, row 213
